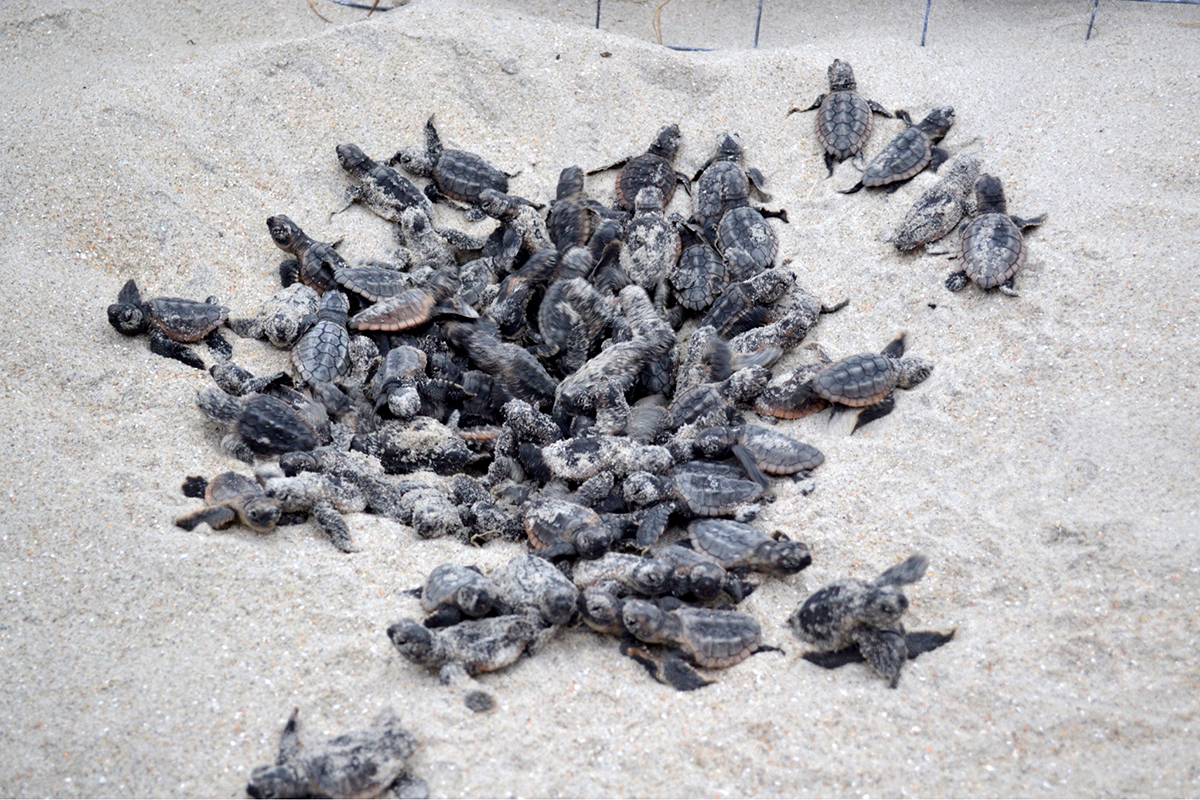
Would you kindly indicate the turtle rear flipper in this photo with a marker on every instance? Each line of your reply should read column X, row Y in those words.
column 853, row 189
column 216, row 517
column 885, row 651
column 880, row 110
column 957, row 281
column 409, row 787
column 219, row 345
column 877, row 411
column 456, row 677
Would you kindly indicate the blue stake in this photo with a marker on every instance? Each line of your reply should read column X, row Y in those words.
column 597, row 14
column 1095, row 5
column 928, row 3
column 757, row 23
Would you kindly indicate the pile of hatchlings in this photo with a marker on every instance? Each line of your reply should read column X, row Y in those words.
column 595, row 381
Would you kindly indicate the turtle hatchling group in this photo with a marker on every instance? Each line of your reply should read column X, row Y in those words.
column 593, row 380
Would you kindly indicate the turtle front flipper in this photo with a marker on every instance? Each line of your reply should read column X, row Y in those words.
column 289, row 272
column 160, row 345
column 614, row 165
column 671, row 671
column 129, row 294
column 219, row 345
column 920, row 642
column 853, row 189
column 957, row 281
column 885, row 651
column 750, row 465
column 216, row 517
column 939, row 157
column 1023, row 223
column 816, row 104
column 334, row 526
column 880, row 110
column 835, row 658
column 877, row 411
column 289, row 740
column 443, row 618
column 354, row 194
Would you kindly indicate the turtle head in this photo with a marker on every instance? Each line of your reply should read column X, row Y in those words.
column 912, row 371
column 643, row 489
column 841, row 77
column 559, row 603
column 651, row 577
column 413, row 640
column 938, row 123
column 261, row 513
column 666, row 143
column 649, row 198
column 593, row 541
column 351, row 158
column 706, row 580
column 475, row 599
column 715, row 442
column 414, row 221
column 128, row 318
column 989, row 195
column 601, row 611
column 285, row 233
column 645, row 620
column 747, row 384
column 570, row 183
column 576, row 399
column 496, row 204
column 277, row 780
column 784, row 557
column 415, row 160
column 882, row 607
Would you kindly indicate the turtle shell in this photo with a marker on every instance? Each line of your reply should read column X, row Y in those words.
column 373, row 283
column 463, row 176
column 570, row 224
column 389, row 193
column 717, row 639
column 722, row 187
column 230, row 486
column 703, row 402
column 651, row 249
column 699, row 277
column 641, row 171
column 744, row 229
column 548, row 521
column 857, row 381
column 843, row 124
column 710, row 493
column 319, row 265
column 905, row 156
column 445, row 581
column 724, row 540
column 992, row 250
column 270, row 426
column 323, row 353
column 186, row 320
column 409, row 309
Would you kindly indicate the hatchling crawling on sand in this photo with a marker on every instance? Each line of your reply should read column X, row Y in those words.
column 709, row 638
column 992, row 248
column 453, row 174
column 761, row 451
column 171, row 322
column 867, row 381
column 265, row 425
column 864, row 618
column 558, row 528
column 843, row 116
column 736, row 545
column 467, row 649
column 724, row 183
column 380, row 188
column 283, row 318
column 654, row 168
column 909, row 153
column 452, row 592
column 940, row 208
column 531, row 585
column 323, row 353
column 693, row 489
column 314, row 263
column 324, row 497
column 230, row 498
column 359, row 764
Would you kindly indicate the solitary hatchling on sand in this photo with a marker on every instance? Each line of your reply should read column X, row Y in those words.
column 843, row 116
column 454, row 174
column 230, row 498
column 171, row 322
column 992, row 247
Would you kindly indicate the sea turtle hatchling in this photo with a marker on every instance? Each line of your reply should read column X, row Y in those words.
column 761, row 451
column 558, row 528
column 708, row 638
column 455, row 174
column 323, row 353
column 314, row 263
column 647, row 577
column 531, row 585
column 409, row 309
column 909, row 153
column 724, row 183
column 652, row 244
column 171, row 322
column 692, row 489
column 380, row 188
column 230, row 498
column 843, row 115
column 359, row 764
column 939, row 208
column 865, row 615
column 263, row 424
column 452, row 592
column 467, row 649
column 654, row 168
column 283, row 318
column 866, row 381
column 992, row 248
column 736, row 545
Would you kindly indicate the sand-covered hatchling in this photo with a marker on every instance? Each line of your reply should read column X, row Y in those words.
column 171, row 322
column 693, row 489
column 559, row 528
column 263, row 424
column 992, row 247
column 843, row 116
column 909, row 153
column 631, row 574
column 230, row 498
column 852, row 613
column 700, row 275
column 452, row 592
column 940, row 208
column 421, row 443
column 453, row 174
column 380, row 188
column 462, row 651
column 283, row 318
column 736, row 545
column 324, row 497
column 360, row 764
column 313, row 264
column 518, row 214
column 532, row 585
column 725, row 183
column 573, row 217
column 652, row 244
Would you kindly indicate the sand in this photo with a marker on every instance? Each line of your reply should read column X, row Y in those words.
column 1048, row 467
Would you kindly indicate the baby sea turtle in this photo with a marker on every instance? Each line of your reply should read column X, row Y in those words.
column 467, row 649
column 380, row 188
column 696, row 575
column 572, row 216
column 761, row 451
column 518, row 214
column 359, row 764
column 558, row 528
column 700, row 276
column 909, row 153
column 584, row 457
column 725, row 183
column 374, row 282
column 283, row 318
column 315, row 263
column 992, row 248
column 692, row 489
column 843, row 116
column 705, row 637
column 454, row 174
column 230, row 498
column 417, row 444
column 531, row 585
column 323, row 353
column 647, row 577
column 652, row 244
column 737, row 545
column 263, row 424
column 409, row 309
column 654, row 168
column 452, row 592
column 941, row 207
column 397, row 380
column 323, row 497
column 171, row 322
column 865, row 615
column 747, row 242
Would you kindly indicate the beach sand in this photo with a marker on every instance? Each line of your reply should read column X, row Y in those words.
column 1047, row 468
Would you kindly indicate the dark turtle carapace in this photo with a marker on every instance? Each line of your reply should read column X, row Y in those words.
column 843, row 116
column 171, row 322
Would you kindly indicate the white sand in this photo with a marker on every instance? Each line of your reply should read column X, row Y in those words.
column 1048, row 467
